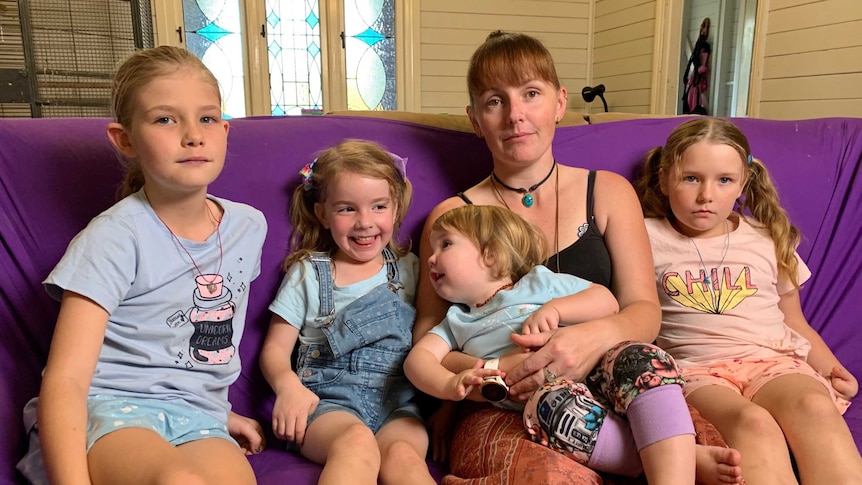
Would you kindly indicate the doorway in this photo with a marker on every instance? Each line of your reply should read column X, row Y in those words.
column 730, row 39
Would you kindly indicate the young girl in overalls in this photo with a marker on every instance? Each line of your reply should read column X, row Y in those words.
column 347, row 299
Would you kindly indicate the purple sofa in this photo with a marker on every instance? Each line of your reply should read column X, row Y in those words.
column 56, row 174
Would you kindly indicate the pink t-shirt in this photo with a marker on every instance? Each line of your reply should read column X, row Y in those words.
column 736, row 314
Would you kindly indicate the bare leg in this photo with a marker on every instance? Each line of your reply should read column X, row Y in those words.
column 717, row 465
column 817, row 433
column 140, row 455
column 345, row 447
column 670, row 461
column 751, row 430
column 403, row 445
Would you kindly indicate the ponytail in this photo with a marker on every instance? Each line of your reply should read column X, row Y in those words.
column 648, row 187
column 760, row 197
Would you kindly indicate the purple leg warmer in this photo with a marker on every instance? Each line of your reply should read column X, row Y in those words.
column 615, row 450
column 657, row 414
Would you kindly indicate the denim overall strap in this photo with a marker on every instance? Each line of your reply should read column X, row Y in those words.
column 322, row 266
column 392, row 276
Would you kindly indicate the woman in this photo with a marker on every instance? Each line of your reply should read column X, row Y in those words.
column 515, row 101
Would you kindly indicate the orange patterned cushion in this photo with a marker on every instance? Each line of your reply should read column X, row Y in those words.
column 490, row 448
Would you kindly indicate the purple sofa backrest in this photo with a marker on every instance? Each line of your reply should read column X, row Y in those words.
column 55, row 175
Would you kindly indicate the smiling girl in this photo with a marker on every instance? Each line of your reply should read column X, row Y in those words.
column 347, row 301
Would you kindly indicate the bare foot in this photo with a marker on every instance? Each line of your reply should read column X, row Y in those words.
column 717, row 465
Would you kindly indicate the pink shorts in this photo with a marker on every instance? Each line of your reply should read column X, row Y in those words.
column 747, row 376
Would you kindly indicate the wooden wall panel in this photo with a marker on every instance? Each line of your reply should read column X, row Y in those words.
column 812, row 63
column 623, row 47
column 450, row 30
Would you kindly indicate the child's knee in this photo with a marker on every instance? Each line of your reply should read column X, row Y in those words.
column 356, row 439
column 756, row 423
column 402, row 453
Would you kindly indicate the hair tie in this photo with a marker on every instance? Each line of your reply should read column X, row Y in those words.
column 749, row 159
column 400, row 165
column 306, row 173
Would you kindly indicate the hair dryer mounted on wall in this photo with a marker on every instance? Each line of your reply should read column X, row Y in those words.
column 590, row 93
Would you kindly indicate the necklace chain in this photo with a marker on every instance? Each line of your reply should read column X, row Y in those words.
column 527, row 199
column 504, row 287
column 211, row 283
column 707, row 275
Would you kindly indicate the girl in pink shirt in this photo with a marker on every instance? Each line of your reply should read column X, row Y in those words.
column 729, row 289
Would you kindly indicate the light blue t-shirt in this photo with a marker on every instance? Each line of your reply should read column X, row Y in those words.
column 298, row 298
column 484, row 332
column 169, row 336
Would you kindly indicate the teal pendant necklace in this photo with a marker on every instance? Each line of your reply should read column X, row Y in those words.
column 527, row 199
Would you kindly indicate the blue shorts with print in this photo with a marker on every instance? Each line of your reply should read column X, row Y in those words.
column 176, row 422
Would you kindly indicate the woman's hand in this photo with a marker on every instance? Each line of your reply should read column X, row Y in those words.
column 247, row 432
column 567, row 352
column 844, row 383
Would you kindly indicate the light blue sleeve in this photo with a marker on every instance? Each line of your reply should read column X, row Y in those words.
column 293, row 300
column 100, row 263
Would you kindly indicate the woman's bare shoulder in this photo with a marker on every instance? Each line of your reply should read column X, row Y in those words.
column 445, row 205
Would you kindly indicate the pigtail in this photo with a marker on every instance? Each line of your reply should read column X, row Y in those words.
column 307, row 234
column 404, row 198
column 648, row 187
column 760, row 197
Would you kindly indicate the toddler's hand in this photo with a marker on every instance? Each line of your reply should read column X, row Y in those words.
column 290, row 414
column 844, row 383
column 544, row 319
column 462, row 384
column 247, row 432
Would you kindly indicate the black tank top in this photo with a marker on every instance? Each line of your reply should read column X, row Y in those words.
column 588, row 257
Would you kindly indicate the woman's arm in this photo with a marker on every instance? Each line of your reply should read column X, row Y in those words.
column 572, row 352
column 62, row 409
column 820, row 357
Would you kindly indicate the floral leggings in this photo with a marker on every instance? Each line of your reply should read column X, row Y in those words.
column 628, row 369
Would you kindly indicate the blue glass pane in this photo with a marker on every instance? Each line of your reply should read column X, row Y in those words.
column 370, row 37
column 214, row 34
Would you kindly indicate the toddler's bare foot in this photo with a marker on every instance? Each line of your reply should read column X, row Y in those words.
column 718, row 466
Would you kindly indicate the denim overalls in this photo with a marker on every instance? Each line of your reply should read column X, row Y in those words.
column 360, row 367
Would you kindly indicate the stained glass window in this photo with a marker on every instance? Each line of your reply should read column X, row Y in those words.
column 293, row 43
column 214, row 34
column 370, row 54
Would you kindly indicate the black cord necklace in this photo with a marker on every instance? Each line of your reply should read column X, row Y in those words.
column 527, row 200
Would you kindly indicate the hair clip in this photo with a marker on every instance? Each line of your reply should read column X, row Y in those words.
column 400, row 165
column 749, row 159
column 306, row 174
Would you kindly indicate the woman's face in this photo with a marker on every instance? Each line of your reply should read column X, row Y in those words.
column 518, row 122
